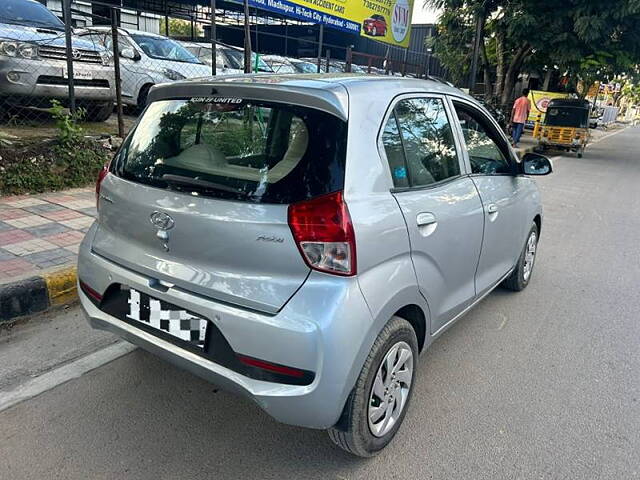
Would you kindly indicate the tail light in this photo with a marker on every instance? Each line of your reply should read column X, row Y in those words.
column 323, row 231
column 101, row 176
column 94, row 296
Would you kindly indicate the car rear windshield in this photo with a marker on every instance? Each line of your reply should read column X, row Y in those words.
column 235, row 149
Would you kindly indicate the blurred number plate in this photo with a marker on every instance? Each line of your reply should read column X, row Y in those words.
column 78, row 74
column 159, row 315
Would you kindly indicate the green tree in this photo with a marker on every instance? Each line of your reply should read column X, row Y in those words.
column 538, row 34
column 180, row 28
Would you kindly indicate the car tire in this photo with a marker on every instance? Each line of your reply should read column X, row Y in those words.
column 98, row 112
column 521, row 275
column 142, row 97
column 354, row 431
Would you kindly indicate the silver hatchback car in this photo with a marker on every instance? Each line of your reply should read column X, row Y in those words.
column 302, row 239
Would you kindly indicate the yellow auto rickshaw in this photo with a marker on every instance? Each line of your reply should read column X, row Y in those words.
column 565, row 126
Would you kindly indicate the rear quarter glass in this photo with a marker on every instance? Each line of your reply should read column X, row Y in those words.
column 231, row 148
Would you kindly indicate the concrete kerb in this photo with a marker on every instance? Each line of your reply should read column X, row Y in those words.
column 37, row 294
column 524, row 150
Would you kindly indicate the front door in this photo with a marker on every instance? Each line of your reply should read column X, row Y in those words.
column 440, row 204
column 131, row 72
column 494, row 174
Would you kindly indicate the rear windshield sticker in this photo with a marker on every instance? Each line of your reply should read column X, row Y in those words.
column 227, row 100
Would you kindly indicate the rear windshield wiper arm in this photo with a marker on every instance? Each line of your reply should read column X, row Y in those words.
column 196, row 182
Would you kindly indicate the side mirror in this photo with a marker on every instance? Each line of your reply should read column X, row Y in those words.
column 536, row 164
column 130, row 53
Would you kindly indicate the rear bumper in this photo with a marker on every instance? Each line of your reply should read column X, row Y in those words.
column 321, row 329
column 44, row 79
column 561, row 145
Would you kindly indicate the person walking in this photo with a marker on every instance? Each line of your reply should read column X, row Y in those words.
column 519, row 115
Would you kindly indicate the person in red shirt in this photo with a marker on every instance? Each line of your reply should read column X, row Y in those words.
column 519, row 115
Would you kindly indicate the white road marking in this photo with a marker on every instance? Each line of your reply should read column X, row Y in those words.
column 58, row 376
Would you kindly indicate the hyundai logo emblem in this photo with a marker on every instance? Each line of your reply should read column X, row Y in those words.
column 162, row 220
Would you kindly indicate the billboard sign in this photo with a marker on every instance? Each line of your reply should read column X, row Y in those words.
column 539, row 101
column 387, row 21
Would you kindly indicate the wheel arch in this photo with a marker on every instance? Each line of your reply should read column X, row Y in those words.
column 418, row 320
column 146, row 85
column 538, row 221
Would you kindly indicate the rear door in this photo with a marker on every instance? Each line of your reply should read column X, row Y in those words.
column 198, row 195
column 493, row 171
column 440, row 203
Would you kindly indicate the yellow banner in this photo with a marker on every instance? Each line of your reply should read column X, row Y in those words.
column 387, row 21
column 539, row 101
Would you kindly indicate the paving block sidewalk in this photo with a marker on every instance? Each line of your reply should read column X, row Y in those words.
column 43, row 232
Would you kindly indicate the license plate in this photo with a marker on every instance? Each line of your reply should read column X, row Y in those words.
column 163, row 317
column 78, row 74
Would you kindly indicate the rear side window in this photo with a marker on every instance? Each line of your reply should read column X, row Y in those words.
column 419, row 137
column 235, row 149
column 395, row 152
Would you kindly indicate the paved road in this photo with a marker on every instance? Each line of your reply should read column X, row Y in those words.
column 542, row 384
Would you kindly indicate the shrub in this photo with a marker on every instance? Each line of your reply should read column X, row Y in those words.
column 39, row 165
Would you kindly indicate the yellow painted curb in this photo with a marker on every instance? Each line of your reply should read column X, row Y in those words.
column 61, row 286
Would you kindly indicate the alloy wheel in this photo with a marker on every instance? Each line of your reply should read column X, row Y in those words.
column 530, row 256
column 390, row 390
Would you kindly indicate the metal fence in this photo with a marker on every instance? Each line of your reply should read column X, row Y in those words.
column 103, row 73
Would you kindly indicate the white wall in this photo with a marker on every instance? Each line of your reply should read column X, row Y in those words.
column 56, row 7
column 148, row 22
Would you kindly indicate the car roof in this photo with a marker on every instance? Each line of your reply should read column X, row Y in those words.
column 570, row 102
column 275, row 58
column 329, row 92
column 130, row 31
column 350, row 81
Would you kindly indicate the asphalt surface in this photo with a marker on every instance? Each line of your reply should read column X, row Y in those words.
column 540, row 384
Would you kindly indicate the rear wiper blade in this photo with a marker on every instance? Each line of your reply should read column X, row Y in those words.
column 181, row 180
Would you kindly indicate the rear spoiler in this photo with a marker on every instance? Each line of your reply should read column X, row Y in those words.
column 328, row 97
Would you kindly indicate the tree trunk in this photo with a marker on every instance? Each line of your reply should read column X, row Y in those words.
column 512, row 73
column 547, row 80
column 499, row 63
column 486, row 70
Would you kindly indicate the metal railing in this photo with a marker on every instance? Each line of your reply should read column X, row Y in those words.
column 103, row 73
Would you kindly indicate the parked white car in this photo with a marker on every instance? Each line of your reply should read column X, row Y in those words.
column 147, row 59
column 203, row 52
column 229, row 60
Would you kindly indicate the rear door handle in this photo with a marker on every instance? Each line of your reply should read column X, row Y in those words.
column 427, row 223
column 492, row 208
column 425, row 219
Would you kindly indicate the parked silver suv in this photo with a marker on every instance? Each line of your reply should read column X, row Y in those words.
column 33, row 66
column 301, row 240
